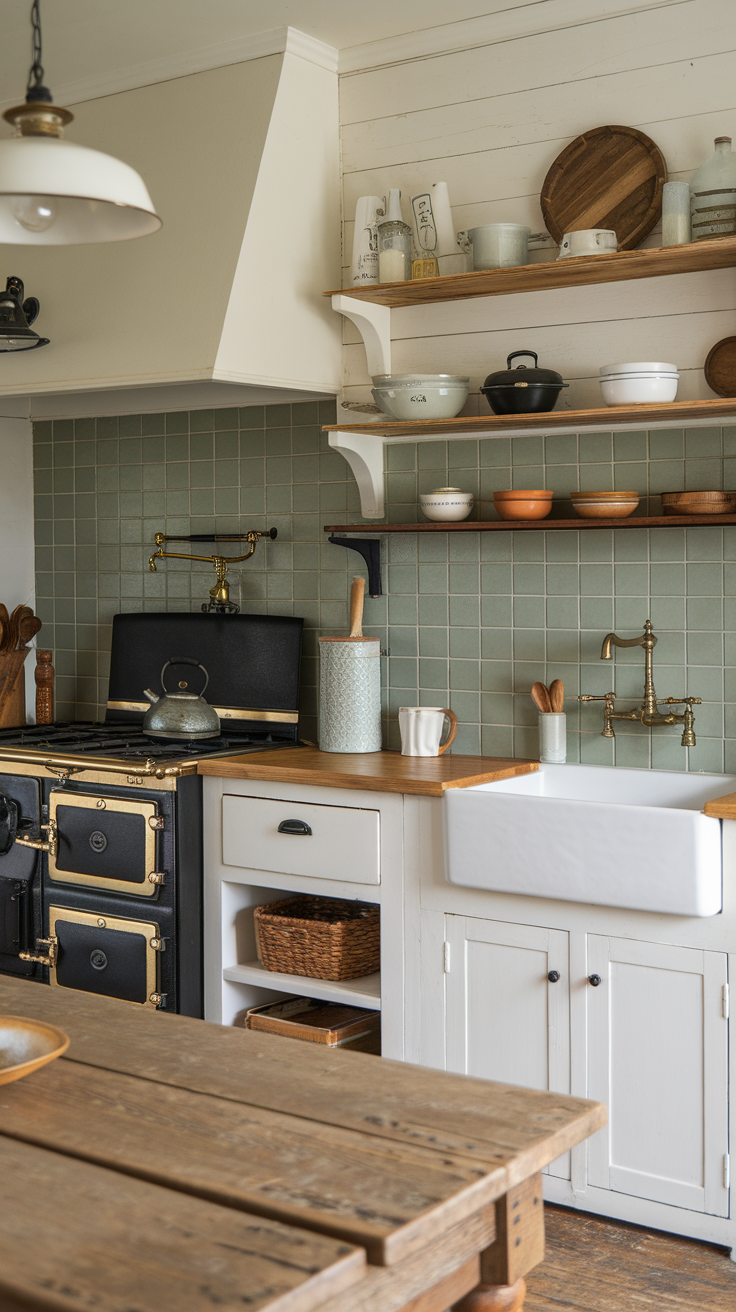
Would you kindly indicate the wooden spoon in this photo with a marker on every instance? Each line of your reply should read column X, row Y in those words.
column 5, row 622
column 557, row 695
column 540, row 697
column 357, row 597
column 27, row 629
column 19, row 613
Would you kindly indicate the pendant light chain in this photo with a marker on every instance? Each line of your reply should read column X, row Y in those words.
column 36, row 91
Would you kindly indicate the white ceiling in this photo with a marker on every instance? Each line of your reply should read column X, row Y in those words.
column 84, row 38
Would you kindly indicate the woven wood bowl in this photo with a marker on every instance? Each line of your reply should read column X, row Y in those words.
column 698, row 503
column 26, row 1045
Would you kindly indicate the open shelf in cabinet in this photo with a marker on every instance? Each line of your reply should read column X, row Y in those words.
column 528, row 525
column 581, row 271
column 362, row 992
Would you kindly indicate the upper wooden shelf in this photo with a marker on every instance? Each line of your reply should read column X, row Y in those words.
column 534, row 525
column 490, row 425
column 583, row 270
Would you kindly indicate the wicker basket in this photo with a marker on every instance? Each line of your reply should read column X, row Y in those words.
column 324, row 937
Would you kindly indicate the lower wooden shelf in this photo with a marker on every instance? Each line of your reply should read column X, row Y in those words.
column 362, row 992
column 527, row 525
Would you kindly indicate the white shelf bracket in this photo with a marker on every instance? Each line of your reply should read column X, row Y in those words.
column 374, row 325
column 364, row 454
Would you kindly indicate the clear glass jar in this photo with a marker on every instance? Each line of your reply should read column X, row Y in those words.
column 394, row 251
column 675, row 213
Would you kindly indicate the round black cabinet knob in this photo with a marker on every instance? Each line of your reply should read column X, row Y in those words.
column 553, row 976
column 98, row 959
column 97, row 840
column 594, row 980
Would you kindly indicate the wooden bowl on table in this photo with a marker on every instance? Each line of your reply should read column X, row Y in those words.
column 523, row 503
column 26, row 1045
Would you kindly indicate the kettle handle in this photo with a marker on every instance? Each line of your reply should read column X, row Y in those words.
column 514, row 354
column 185, row 660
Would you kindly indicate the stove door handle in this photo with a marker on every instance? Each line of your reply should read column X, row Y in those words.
column 38, row 843
column 295, row 827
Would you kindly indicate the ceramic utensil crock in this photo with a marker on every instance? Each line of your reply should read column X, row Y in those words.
column 350, row 686
column 421, row 730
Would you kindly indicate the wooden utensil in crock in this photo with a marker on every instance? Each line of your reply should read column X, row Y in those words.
column 557, row 696
column 541, row 699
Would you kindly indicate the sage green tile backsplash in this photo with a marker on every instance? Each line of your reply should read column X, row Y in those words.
column 468, row 620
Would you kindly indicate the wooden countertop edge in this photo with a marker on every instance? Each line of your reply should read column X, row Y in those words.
column 721, row 808
column 399, row 774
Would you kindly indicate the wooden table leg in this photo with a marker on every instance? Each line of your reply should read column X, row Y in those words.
column 518, row 1248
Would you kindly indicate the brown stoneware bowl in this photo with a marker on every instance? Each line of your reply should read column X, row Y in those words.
column 604, row 505
column 523, row 504
column 26, row 1045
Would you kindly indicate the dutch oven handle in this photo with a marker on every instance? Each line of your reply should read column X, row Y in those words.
column 514, row 354
column 185, row 660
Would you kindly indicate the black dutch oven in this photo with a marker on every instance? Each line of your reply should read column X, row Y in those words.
column 522, row 391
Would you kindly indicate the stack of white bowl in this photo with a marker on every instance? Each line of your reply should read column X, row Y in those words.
column 645, row 380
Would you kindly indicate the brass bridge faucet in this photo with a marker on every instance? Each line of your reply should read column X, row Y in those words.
column 647, row 714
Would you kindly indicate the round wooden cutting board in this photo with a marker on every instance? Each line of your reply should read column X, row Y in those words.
column 609, row 177
column 720, row 367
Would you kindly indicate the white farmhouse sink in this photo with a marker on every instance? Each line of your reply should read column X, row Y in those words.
column 585, row 833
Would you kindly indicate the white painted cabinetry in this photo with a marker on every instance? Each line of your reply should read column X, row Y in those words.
column 658, row 1058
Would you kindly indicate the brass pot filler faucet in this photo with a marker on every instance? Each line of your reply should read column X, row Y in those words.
column 647, row 713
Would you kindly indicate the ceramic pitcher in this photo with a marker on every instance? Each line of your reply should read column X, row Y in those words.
column 421, row 730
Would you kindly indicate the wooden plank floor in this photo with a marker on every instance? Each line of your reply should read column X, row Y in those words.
column 596, row 1265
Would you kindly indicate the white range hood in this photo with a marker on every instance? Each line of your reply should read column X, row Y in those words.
column 223, row 306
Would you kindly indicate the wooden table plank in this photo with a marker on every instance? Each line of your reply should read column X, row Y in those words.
column 495, row 1125
column 391, row 1198
column 376, row 772
column 77, row 1237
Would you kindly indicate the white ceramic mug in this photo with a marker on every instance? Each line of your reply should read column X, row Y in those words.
column 421, row 730
column 588, row 241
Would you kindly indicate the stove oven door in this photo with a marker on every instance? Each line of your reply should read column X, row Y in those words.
column 104, row 842
column 20, row 813
column 109, row 955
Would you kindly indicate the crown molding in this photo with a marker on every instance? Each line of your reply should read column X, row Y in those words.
column 282, row 40
column 506, row 24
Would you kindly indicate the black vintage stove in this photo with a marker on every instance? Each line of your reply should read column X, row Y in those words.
column 101, row 826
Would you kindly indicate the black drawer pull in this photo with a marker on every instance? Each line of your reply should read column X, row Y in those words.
column 295, row 827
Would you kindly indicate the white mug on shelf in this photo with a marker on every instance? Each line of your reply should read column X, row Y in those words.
column 421, row 730
column 588, row 241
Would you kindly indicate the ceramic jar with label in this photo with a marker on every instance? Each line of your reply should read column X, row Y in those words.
column 394, row 243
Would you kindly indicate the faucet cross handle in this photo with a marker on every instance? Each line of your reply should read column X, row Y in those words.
column 609, row 698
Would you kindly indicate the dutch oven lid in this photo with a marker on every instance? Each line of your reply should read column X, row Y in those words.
column 509, row 377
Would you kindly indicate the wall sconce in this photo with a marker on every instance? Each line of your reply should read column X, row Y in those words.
column 16, row 317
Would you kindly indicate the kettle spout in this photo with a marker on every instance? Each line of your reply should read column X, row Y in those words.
column 151, row 696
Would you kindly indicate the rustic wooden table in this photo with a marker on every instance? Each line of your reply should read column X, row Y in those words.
column 168, row 1165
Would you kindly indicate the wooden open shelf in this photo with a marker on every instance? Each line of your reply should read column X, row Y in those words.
column 525, row 525
column 363, row 992
column 582, row 271
column 490, row 425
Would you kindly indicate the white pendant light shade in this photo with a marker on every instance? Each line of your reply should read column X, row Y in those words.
column 56, row 193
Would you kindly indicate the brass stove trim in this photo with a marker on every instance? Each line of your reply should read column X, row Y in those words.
column 224, row 712
column 147, row 928
column 149, row 810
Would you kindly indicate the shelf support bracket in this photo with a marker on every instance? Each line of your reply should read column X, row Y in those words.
column 374, row 325
column 364, row 454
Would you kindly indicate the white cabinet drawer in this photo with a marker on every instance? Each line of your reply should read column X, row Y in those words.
column 343, row 843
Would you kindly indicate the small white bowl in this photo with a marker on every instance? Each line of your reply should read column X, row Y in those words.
column 643, row 367
column 417, row 396
column 446, row 503
column 626, row 390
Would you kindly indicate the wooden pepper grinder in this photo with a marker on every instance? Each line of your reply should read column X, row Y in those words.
column 44, row 675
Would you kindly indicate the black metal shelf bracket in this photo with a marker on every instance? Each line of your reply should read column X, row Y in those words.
column 370, row 550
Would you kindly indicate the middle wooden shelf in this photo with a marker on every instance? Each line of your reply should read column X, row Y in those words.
column 528, row 525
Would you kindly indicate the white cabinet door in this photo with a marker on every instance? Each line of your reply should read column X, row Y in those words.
column 658, row 1057
column 506, row 1020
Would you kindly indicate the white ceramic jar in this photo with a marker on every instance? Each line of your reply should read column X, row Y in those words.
column 446, row 503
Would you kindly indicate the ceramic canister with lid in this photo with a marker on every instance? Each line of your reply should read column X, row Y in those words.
column 350, row 686
column 713, row 194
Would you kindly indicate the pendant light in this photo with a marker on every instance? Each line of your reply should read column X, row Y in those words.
column 16, row 316
column 55, row 193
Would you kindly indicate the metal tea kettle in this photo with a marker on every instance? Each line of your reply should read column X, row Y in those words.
column 181, row 715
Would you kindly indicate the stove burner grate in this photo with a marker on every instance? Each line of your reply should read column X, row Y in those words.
column 124, row 741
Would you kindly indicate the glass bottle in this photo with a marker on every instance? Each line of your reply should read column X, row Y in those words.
column 394, row 243
column 713, row 194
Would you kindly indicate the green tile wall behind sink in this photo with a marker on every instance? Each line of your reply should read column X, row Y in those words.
column 468, row 620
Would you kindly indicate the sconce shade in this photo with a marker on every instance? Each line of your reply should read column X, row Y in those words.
column 16, row 315
column 56, row 193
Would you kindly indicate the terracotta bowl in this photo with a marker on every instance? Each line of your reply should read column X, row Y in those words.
column 26, row 1045
column 523, row 503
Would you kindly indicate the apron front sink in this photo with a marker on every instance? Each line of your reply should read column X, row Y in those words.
column 597, row 834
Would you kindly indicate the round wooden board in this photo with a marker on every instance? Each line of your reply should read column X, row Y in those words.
column 609, row 177
column 720, row 367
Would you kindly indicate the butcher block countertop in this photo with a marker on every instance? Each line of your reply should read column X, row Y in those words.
column 375, row 772
column 169, row 1165
column 722, row 808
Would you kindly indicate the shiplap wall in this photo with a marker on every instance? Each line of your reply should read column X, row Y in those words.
column 489, row 120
